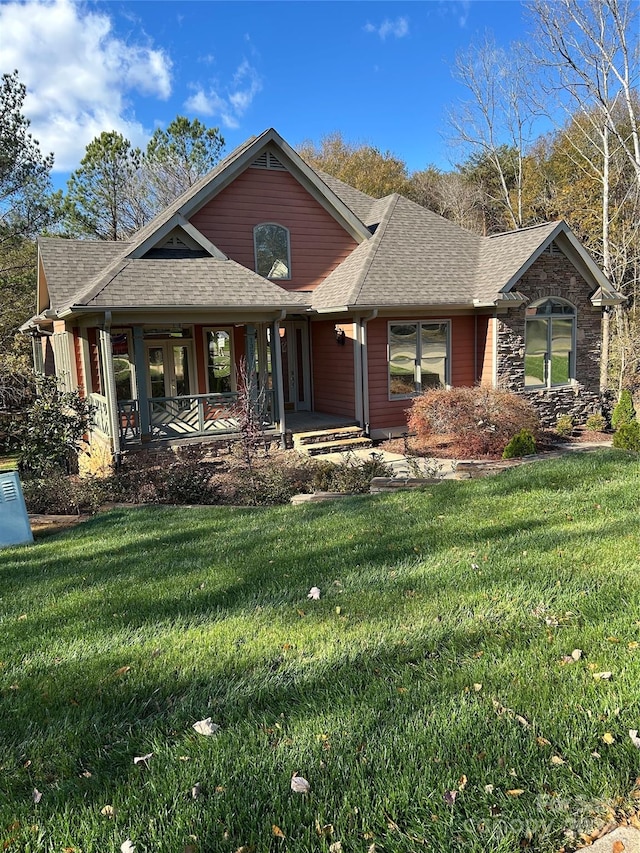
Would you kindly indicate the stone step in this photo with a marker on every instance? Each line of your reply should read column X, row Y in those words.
column 325, row 447
column 326, row 435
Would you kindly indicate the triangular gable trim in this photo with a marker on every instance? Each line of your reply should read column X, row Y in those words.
column 591, row 267
column 176, row 221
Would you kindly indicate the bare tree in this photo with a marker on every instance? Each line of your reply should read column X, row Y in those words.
column 592, row 50
column 498, row 115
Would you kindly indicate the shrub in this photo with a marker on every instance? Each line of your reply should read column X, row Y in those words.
column 51, row 428
column 624, row 411
column 351, row 474
column 522, row 444
column 596, row 423
column 58, row 494
column 480, row 419
column 564, row 425
column 627, row 437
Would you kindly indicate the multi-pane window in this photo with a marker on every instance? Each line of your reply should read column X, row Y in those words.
column 273, row 257
column 418, row 357
column 549, row 344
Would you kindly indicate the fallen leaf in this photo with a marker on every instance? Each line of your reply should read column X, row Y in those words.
column 300, row 612
column 542, row 741
column 450, row 797
column 633, row 645
column 22, row 618
column 142, row 759
column 127, row 847
column 462, row 782
column 299, row 784
column 595, row 754
column 36, row 796
column 523, row 721
column 108, row 811
column 336, row 847
column 618, row 847
column 488, row 789
column 635, row 740
column 608, row 738
column 314, row 593
column 605, row 676
column 206, row 727
column 613, row 639
column 195, row 791
column 338, row 610
column 555, row 759
column 324, row 830
column 277, row 832
column 122, row 671
column 477, row 687
column 576, row 654
column 515, row 792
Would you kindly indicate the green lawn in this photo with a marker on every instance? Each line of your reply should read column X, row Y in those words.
column 433, row 663
column 8, row 463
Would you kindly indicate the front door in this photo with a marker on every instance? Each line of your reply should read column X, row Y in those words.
column 169, row 369
column 294, row 342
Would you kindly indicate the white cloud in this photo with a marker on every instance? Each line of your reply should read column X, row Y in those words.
column 398, row 28
column 228, row 103
column 458, row 9
column 78, row 74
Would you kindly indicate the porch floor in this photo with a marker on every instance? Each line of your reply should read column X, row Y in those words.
column 310, row 421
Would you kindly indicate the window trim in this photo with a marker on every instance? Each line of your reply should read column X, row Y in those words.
column 205, row 346
column 255, row 250
column 418, row 356
column 548, row 384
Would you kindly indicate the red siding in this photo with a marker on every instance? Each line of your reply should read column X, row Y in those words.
column 486, row 331
column 385, row 413
column 318, row 242
column 333, row 365
column 77, row 351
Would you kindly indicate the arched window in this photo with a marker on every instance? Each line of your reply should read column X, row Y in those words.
column 273, row 257
column 550, row 334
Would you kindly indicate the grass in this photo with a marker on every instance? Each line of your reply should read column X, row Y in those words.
column 8, row 463
column 120, row 634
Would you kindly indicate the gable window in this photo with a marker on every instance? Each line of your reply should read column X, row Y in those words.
column 418, row 357
column 273, row 256
column 550, row 333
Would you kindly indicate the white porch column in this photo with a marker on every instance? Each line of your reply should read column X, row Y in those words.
column 108, row 375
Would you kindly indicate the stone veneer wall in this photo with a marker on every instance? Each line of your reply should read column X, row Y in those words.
column 554, row 275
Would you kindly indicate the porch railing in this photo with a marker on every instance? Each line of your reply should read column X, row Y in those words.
column 191, row 415
column 101, row 413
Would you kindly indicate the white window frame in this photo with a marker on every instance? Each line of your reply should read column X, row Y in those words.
column 255, row 250
column 418, row 355
column 548, row 384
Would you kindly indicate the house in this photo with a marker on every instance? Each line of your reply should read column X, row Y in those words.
column 340, row 304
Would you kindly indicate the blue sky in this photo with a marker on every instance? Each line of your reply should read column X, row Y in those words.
column 380, row 72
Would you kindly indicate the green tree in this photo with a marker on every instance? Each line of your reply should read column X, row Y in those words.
column 105, row 197
column 179, row 156
column 361, row 166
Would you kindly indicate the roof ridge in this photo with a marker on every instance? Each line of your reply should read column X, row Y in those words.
column 514, row 231
column 377, row 236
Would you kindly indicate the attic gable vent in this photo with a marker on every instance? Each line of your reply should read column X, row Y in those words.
column 552, row 249
column 268, row 160
column 173, row 242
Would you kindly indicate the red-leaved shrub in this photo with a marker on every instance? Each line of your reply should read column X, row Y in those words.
column 481, row 420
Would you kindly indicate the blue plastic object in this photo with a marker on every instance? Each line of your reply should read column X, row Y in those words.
column 14, row 521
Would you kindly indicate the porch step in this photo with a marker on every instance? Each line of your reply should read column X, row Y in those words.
column 337, row 440
column 324, row 436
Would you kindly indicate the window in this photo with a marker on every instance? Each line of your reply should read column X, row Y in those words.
column 271, row 243
column 122, row 363
column 418, row 357
column 219, row 360
column 549, row 344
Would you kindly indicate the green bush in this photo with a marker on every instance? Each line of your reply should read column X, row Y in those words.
column 58, row 494
column 479, row 420
column 349, row 475
column 522, row 444
column 627, row 437
column 596, row 423
column 624, row 411
column 564, row 425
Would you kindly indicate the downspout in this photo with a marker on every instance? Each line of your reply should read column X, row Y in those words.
column 365, row 370
column 279, row 387
column 106, row 352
